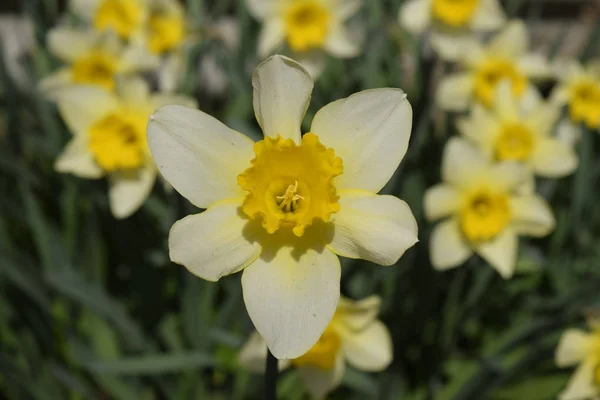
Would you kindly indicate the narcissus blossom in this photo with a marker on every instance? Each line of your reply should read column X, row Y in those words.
column 483, row 67
column 354, row 336
column 582, row 349
column 109, row 138
column 514, row 131
column 309, row 28
column 483, row 209
column 453, row 23
column 283, row 208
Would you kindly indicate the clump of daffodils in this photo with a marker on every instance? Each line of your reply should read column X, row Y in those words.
column 354, row 336
column 484, row 210
column 308, row 28
column 582, row 349
column 453, row 24
column 282, row 209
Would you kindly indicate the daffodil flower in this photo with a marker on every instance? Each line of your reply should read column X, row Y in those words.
column 483, row 208
column 578, row 347
column 513, row 131
column 354, row 336
column 504, row 57
column 308, row 27
column 109, row 139
column 92, row 58
column 281, row 209
column 453, row 23
column 126, row 18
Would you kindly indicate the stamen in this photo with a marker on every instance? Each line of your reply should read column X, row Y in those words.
column 290, row 198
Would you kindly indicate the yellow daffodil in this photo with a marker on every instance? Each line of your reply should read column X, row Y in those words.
column 452, row 22
column 92, row 58
column 504, row 57
column 484, row 210
column 308, row 27
column 354, row 335
column 579, row 89
column 514, row 131
column 109, row 139
column 281, row 209
column 581, row 348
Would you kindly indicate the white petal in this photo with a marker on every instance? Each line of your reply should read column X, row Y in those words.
column 581, row 386
column 136, row 57
column 415, row 15
column 372, row 227
column 501, row 252
column 127, row 192
column 69, row 44
column 455, row 91
column 81, row 106
column 462, row 162
column 357, row 315
column 134, row 90
column 369, row 349
column 568, row 132
column 554, row 159
column 531, row 215
column 313, row 61
column 253, row 355
column 77, row 160
column 215, row 243
column 345, row 9
column 261, row 8
column 319, row 382
column 282, row 90
column 535, row 66
column 505, row 105
column 453, row 46
column 440, row 201
column 340, row 44
column 84, row 8
column 159, row 100
column 448, row 249
column 369, row 131
column 508, row 175
column 291, row 294
column 573, row 348
column 488, row 17
column 197, row 154
column 511, row 42
column 271, row 36
column 51, row 84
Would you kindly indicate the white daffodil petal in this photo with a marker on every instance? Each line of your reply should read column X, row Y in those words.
column 253, row 355
column 282, row 90
column 134, row 90
column 489, row 16
column 512, row 42
column 128, row 191
column 369, row 131
column 136, row 57
column 568, row 132
column 261, row 8
column 356, row 315
column 319, row 382
column 197, row 154
column 505, row 105
column 291, row 295
column 554, row 159
column 501, row 252
column 531, row 215
column 313, row 61
column 84, row 8
column 340, row 44
column 454, row 92
column 581, row 386
column 346, row 8
column 215, row 243
column 452, row 47
column 508, row 175
column 81, row 106
column 461, row 162
column 77, row 160
column 369, row 349
column 415, row 15
column 271, row 36
column 448, row 249
column 51, row 84
column 373, row 227
column 535, row 66
column 573, row 348
column 69, row 44
column 159, row 100
column 440, row 201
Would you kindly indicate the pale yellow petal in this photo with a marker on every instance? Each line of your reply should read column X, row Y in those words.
column 582, row 385
column 535, row 66
column 81, row 106
column 253, row 355
column 69, row 44
column 340, row 43
column 319, row 382
column 271, row 36
column 369, row 349
column 501, row 252
column 462, row 162
column 553, row 158
column 512, row 42
column 448, row 248
column 488, row 17
column 573, row 348
column 441, row 201
column 532, row 215
column 415, row 15
column 357, row 315
column 127, row 191
column 455, row 92
column 77, row 159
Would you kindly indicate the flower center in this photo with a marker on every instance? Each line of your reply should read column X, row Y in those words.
column 584, row 102
column 306, row 25
column 454, row 12
column 490, row 73
column 323, row 354
column 96, row 68
column 291, row 185
column 515, row 143
column 118, row 140
column 123, row 16
column 165, row 33
column 484, row 215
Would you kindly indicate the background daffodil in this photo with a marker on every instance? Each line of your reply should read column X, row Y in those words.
column 354, row 336
column 483, row 211
column 283, row 208
column 109, row 138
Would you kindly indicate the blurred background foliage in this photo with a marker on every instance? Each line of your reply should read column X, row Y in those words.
column 92, row 308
